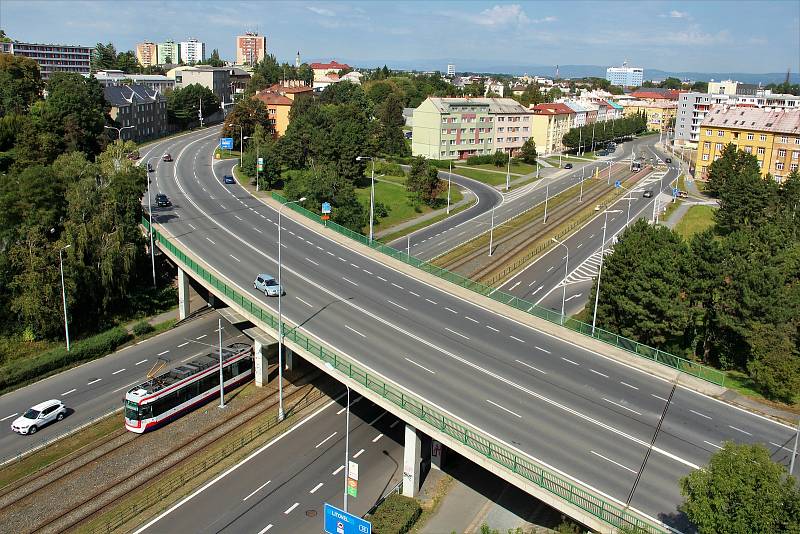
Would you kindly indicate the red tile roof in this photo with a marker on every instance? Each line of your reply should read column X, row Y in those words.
column 278, row 88
column 333, row 65
column 652, row 95
column 553, row 108
column 273, row 99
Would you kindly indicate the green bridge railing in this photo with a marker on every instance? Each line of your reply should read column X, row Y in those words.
column 701, row 371
column 498, row 453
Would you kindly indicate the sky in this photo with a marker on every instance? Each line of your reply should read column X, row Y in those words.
column 702, row 36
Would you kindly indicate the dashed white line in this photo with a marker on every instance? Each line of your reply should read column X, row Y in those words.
column 13, row 414
column 338, row 470
column 450, row 310
column 740, row 430
column 659, row 398
column 350, row 281
column 96, row 380
column 420, row 366
column 329, row 253
column 341, row 259
column 532, row 367
column 366, row 271
column 541, row 349
column 456, row 333
column 390, row 426
column 238, row 217
column 628, row 385
column 192, row 226
column 514, row 286
column 222, row 206
column 613, row 462
column 324, row 440
column 315, row 488
column 517, row 339
column 73, row 390
column 621, row 406
column 235, row 258
column 599, row 373
column 257, row 230
column 183, row 344
column 311, row 261
column 712, row 444
column 319, row 247
column 569, row 361
column 415, row 294
column 210, row 241
column 779, row 446
column 493, row 329
column 162, row 353
column 551, row 268
column 431, row 301
column 292, row 507
column 471, row 319
column 396, row 304
column 304, row 302
column 141, row 362
column 359, row 453
column 354, row 265
column 504, row 408
column 257, row 490
column 382, row 279
column 356, row 331
column 118, row 372
column 376, row 438
column 700, row 414
column 395, row 285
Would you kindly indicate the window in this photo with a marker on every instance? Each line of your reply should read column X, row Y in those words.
column 705, row 157
column 720, row 133
column 444, row 130
column 748, row 149
column 501, row 129
column 762, row 137
column 706, row 145
column 797, row 140
column 795, row 154
column 499, row 139
column 708, row 132
column 784, row 139
column 781, row 153
column 793, row 167
column 761, row 151
column 749, row 137
column 718, row 146
column 779, row 165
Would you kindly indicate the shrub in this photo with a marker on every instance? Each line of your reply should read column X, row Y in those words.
column 141, row 328
column 391, row 169
column 498, row 159
column 24, row 370
column 395, row 515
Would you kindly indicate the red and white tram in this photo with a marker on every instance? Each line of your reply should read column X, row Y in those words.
column 166, row 396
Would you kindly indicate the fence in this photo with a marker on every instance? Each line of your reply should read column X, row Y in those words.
column 502, row 455
column 645, row 351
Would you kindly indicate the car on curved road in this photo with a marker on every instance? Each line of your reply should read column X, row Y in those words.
column 162, row 201
column 228, row 179
column 268, row 285
column 647, row 194
column 38, row 416
column 568, row 166
column 166, row 157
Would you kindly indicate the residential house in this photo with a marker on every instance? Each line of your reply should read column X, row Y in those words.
column 155, row 82
column 278, row 107
column 660, row 114
column 550, row 122
column 138, row 106
column 453, row 128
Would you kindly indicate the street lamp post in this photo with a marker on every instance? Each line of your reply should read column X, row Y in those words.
column 546, row 198
column 448, row 186
column 150, row 214
column 119, row 130
column 491, row 233
column 600, row 269
column 280, row 313
column 346, row 441
column 64, row 292
column 609, row 172
column 508, row 173
column 564, row 283
column 371, row 195
column 221, row 379
column 250, row 137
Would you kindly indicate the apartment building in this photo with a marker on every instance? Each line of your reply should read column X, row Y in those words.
column 278, row 108
column 625, row 76
column 154, row 82
column 730, row 87
column 169, row 53
column 147, row 54
column 550, row 122
column 512, row 124
column 660, row 114
column 192, row 51
column 52, row 58
column 138, row 106
column 771, row 135
column 218, row 79
column 579, row 119
column 250, row 48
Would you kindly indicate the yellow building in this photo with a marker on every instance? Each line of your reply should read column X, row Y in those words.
column 660, row 114
column 278, row 107
column 147, row 54
column 771, row 135
column 549, row 123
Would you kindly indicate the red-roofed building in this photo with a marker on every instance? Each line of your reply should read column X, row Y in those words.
column 550, row 122
column 290, row 88
column 278, row 107
column 656, row 94
column 321, row 69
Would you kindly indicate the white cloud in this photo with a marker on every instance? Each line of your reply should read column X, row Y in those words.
column 546, row 19
column 321, row 11
column 502, row 16
column 678, row 14
column 757, row 40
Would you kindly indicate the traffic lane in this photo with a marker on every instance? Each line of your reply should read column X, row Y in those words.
column 96, row 388
column 575, row 298
column 308, row 458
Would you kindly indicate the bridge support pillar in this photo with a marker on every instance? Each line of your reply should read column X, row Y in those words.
column 183, row 294
column 288, row 359
column 411, row 462
column 437, row 454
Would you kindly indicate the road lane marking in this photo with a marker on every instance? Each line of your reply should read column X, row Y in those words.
column 329, row 253
column 537, row 290
column 183, row 344
column 492, row 328
column 621, row 406
column 338, row 470
column 235, row 258
column 13, row 414
column 354, row 265
column 456, row 333
column 573, row 297
column 304, row 302
column 779, row 446
column 700, row 414
column 613, row 462
column 262, row 486
column 359, row 453
column 192, row 226
column 376, row 438
column 551, row 268
column 740, row 430
column 292, row 507
column 713, row 445
column 201, row 337
column 532, row 367
column 366, row 271
column 504, row 408
column 117, row 372
column 431, row 301
column 396, row 304
column 162, row 353
column 319, row 247
column 351, row 404
column 415, row 294
column 450, row 310
column 210, row 241
column 126, row 386
column 570, row 361
column 341, row 259
column 324, row 440
column 238, row 217
column 517, row 339
column 628, row 385
column 96, row 380
column 395, row 285
column 349, row 281
column 514, row 286
column 541, row 349
column 356, row 331
column 315, row 488
column 382, row 279
column 579, row 246
column 471, row 319
column 659, row 398
column 531, row 284
column 311, row 261
column 420, row 366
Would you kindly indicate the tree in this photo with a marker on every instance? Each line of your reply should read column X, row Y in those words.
column 528, row 152
column 423, row 181
column 247, row 115
column 390, row 138
column 321, row 184
column 262, row 145
column 671, row 83
column 214, row 60
column 104, row 57
column 700, row 87
column 741, row 491
column 183, row 104
column 268, row 69
column 4, row 38
column 20, row 84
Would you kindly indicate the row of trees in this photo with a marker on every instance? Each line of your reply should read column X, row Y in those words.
column 602, row 132
column 729, row 296
column 268, row 72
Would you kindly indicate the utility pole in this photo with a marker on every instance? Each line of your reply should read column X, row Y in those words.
column 200, row 112
column 546, row 198
column 794, row 452
column 491, row 233
column 583, row 174
column 448, row 186
column 221, row 380
column 508, row 173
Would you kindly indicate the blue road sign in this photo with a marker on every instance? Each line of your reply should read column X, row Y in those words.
column 674, row 191
column 326, row 207
column 226, row 143
column 617, row 184
column 340, row 522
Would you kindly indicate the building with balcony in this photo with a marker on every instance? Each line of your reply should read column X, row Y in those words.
column 660, row 115
column 625, row 76
column 169, row 53
column 250, row 48
column 550, row 122
column 52, row 58
column 218, row 79
column 138, row 106
column 580, row 113
column 154, row 82
column 730, row 88
column 771, row 135
column 192, row 51
column 278, row 108
column 147, row 54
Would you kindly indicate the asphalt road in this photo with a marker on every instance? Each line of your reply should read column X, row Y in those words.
column 446, row 235
column 98, row 387
column 583, row 414
column 283, row 486
column 542, row 281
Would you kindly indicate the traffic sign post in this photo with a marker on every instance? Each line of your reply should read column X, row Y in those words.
column 326, row 212
column 618, row 184
column 226, row 143
column 352, row 479
column 340, row 522
column 260, row 164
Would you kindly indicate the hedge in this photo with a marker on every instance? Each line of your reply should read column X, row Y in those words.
column 17, row 372
column 141, row 328
column 395, row 515
column 497, row 159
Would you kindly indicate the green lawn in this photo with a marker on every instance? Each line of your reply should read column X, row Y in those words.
column 392, row 194
column 697, row 219
column 516, row 167
column 226, row 154
column 553, row 160
column 489, row 178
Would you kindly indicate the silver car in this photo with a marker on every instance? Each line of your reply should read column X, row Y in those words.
column 268, row 285
column 38, row 416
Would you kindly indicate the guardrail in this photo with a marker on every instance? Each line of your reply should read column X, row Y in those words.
column 698, row 370
column 524, row 466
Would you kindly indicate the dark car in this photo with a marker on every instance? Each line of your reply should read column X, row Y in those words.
column 647, row 194
column 150, row 168
column 668, row 160
column 601, row 153
column 228, row 179
column 166, row 157
column 568, row 166
column 162, row 201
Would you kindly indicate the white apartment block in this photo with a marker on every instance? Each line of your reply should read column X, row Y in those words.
column 192, row 51
column 625, row 76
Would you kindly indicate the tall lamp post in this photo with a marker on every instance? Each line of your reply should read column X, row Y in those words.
column 64, row 292
column 245, row 138
column 508, row 172
column 150, row 215
column 566, row 267
column 600, row 269
column 371, row 194
column 119, row 130
column 280, row 313
column 346, row 441
column 448, row 186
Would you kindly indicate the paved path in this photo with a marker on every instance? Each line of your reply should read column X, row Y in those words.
column 677, row 215
column 467, row 197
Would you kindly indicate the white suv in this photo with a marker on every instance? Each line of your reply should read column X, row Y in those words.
column 38, row 416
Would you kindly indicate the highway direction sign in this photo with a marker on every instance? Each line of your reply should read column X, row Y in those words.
column 618, row 184
column 326, row 207
column 226, row 143
column 340, row 522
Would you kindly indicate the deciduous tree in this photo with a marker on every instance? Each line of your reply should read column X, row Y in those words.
column 423, row 181
column 20, row 84
column 528, row 152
